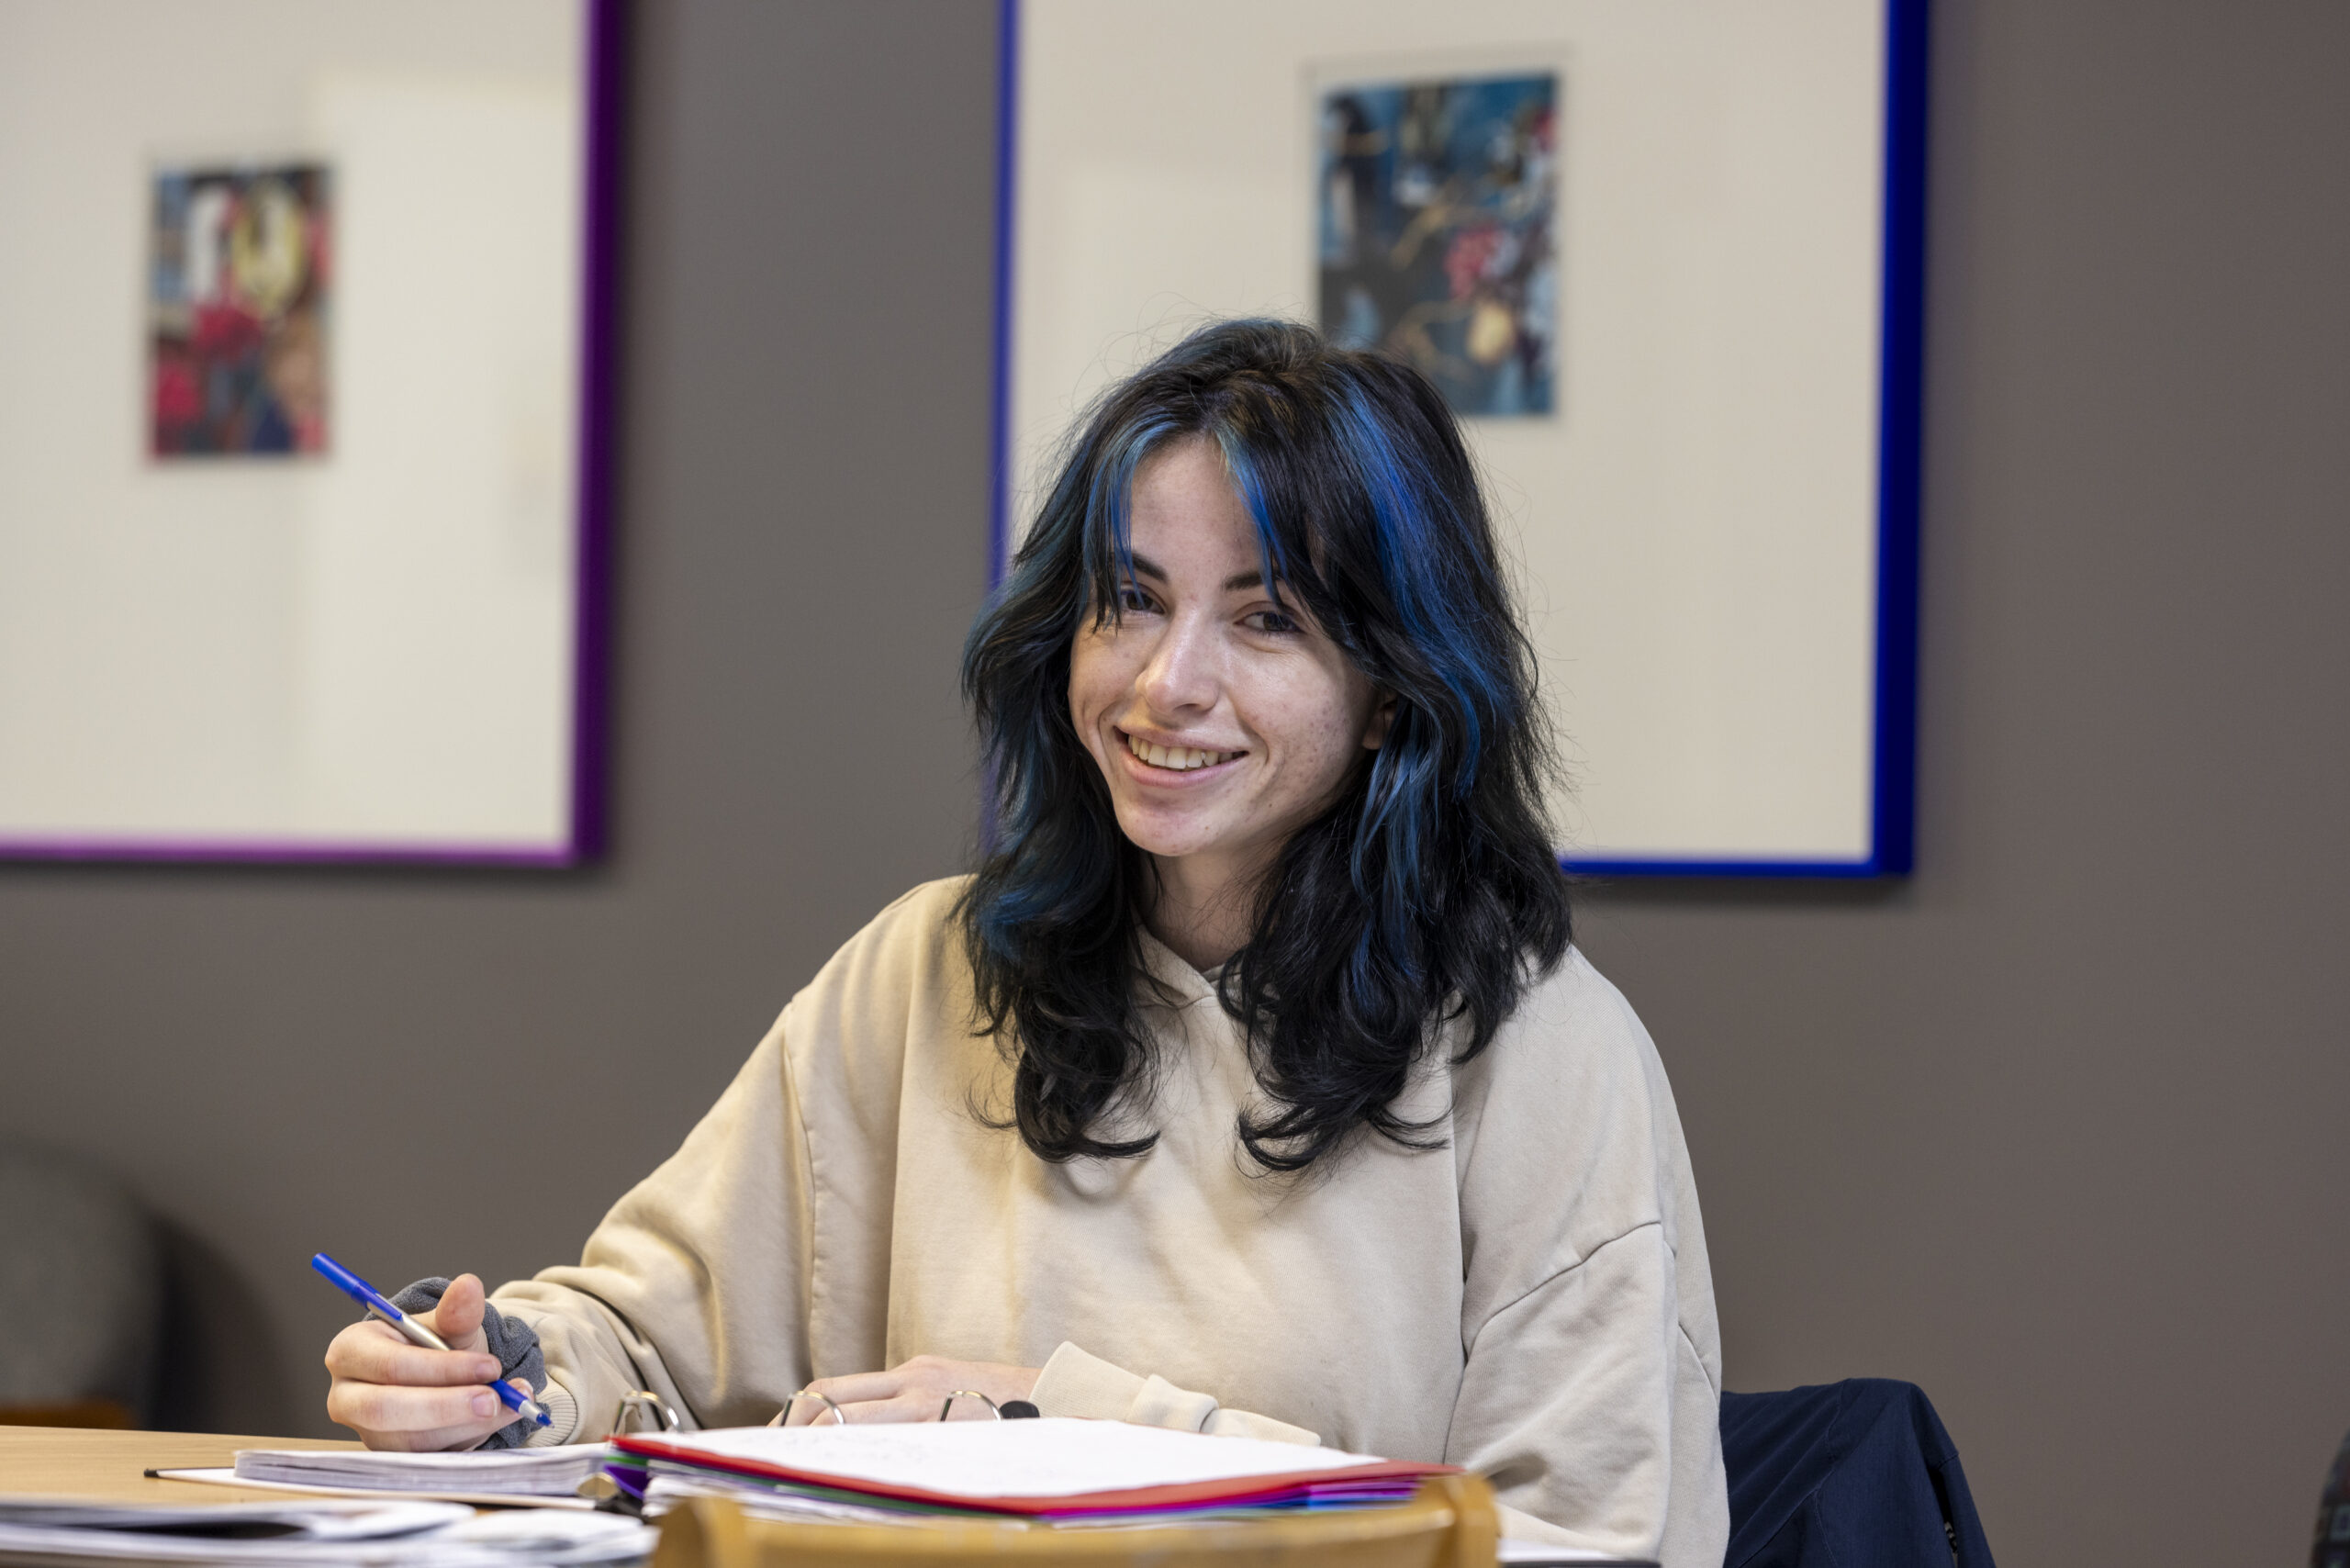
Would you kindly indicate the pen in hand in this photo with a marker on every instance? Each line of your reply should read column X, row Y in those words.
column 365, row 1294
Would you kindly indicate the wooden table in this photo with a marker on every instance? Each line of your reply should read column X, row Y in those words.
column 105, row 1467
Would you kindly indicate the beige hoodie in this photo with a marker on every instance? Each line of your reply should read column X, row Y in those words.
column 1531, row 1300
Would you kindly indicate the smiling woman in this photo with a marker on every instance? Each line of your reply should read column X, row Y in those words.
column 1265, row 547
column 1222, row 718
column 1253, row 1064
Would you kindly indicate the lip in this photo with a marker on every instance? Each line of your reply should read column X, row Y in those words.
column 1167, row 778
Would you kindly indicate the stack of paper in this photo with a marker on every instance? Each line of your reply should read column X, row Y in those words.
column 316, row 1535
column 526, row 1472
column 1056, row 1470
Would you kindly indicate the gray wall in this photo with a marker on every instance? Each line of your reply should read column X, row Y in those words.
column 2059, row 1129
column 2055, row 1128
column 427, row 1071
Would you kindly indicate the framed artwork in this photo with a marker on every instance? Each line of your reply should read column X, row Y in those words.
column 302, row 484
column 1436, row 207
column 1665, row 263
column 240, row 277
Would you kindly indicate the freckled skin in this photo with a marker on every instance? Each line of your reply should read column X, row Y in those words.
column 1198, row 661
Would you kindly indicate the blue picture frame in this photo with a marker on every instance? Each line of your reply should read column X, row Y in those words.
column 1891, row 844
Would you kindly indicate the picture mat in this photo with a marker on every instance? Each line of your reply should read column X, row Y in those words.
column 1697, row 523
column 368, row 650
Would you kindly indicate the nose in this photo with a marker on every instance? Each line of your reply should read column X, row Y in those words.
column 1180, row 676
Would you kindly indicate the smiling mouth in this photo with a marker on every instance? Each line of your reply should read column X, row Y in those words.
column 1175, row 758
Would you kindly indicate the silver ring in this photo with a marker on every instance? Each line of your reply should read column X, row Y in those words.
column 779, row 1417
column 968, row 1394
column 642, row 1399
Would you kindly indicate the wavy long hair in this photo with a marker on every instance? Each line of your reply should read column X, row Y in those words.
column 1428, row 892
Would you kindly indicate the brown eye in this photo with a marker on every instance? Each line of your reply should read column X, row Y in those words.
column 1134, row 601
column 1272, row 622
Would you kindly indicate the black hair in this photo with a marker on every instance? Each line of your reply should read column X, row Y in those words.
column 1429, row 892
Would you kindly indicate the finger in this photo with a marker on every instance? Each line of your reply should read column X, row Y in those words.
column 850, row 1387
column 433, row 1440
column 807, row 1410
column 371, row 1408
column 905, row 1408
column 453, row 1439
column 373, row 1353
column 457, row 1316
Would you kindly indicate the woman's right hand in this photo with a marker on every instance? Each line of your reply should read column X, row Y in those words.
column 398, row 1395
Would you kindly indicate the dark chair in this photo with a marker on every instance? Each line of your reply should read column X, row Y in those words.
column 2332, row 1547
column 1852, row 1474
column 81, row 1295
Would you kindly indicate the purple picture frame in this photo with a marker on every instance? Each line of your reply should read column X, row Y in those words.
column 604, row 67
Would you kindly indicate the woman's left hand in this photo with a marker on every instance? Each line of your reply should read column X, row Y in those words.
column 913, row 1390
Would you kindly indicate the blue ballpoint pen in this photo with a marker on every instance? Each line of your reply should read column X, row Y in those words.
column 363, row 1293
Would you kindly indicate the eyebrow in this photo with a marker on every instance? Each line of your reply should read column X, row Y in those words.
column 1145, row 567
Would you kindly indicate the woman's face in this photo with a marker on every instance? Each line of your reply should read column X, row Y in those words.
column 1223, row 719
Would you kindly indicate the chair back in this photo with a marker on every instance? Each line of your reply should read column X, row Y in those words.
column 2332, row 1547
column 1858, row 1471
column 1450, row 1523
column 81, row 1295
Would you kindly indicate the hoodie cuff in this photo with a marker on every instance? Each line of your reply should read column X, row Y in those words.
column 1074, row 1383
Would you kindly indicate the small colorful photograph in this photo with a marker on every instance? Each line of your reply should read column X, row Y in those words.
column 1437, row 232
column 239, row 283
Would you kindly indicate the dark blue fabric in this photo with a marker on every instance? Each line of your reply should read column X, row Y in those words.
column 2332, row 1547
column 1854, row 1474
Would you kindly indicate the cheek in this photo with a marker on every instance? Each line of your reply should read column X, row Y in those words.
column 1321, row 715
column 1094, row 680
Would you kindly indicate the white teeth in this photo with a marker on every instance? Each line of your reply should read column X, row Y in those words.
column 1176, row 758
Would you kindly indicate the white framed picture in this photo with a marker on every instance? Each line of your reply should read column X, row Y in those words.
column 302, row 484
column 1664, row 261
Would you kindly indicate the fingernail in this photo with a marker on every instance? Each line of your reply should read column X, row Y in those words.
column 486, row 1369
column 484, row 1402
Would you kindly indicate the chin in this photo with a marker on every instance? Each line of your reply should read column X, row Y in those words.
column 1166, row 840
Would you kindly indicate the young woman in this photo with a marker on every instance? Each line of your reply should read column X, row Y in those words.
column 1250, row 1085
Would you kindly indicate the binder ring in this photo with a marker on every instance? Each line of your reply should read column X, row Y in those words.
column 644, row 1401
column 969, row 1393
column 781, row 1415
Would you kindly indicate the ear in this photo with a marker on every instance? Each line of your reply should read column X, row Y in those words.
column 1382, row 716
